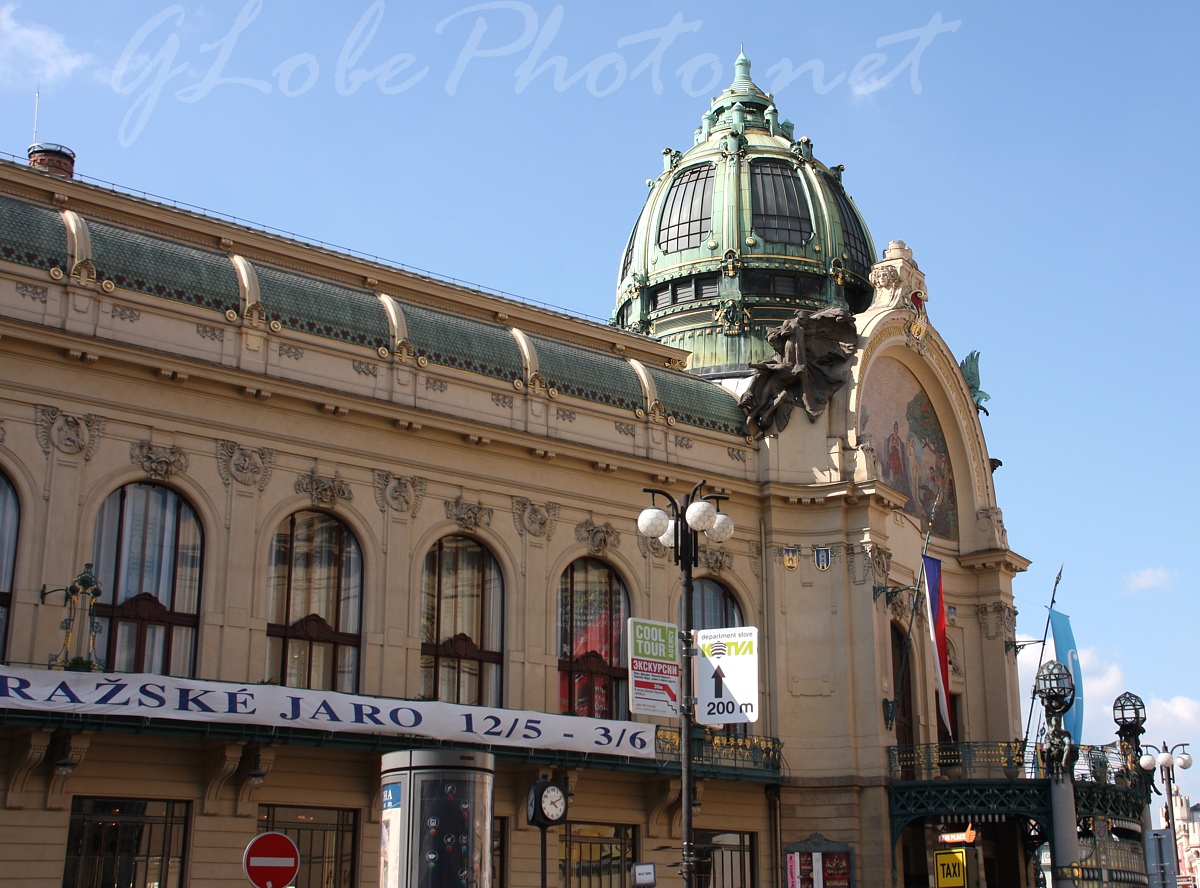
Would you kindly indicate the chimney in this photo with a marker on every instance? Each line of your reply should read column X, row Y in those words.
column 57, row 160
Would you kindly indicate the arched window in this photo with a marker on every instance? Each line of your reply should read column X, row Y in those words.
column 313, row 633
column 148, row 556
column 593, row 606
column 852, row 230
column 687, row 212
column 780, row 208
column 713, row 606
column 10, row 517
column 462, row 624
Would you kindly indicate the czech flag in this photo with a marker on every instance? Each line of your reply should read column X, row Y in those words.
column 937, row 635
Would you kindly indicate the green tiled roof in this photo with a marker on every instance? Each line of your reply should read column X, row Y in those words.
column 323, row 309
column 463, row 343
column 587, row 374
column 32, row 235
column 158, row 267
column 697, row 402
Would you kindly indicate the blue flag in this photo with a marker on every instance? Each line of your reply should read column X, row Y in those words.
column 1067, row 654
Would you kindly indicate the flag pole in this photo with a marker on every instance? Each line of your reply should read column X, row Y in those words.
column 1042, row 654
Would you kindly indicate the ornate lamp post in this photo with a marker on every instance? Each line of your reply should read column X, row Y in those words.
column 1166, row 758
column 679, row 531
column 1056, row 689
column 1129, row 712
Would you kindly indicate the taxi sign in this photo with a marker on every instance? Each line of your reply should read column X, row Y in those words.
column 272, row 860
column 950, row 868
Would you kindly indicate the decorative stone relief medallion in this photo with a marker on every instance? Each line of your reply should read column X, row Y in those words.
column 397, row 492
column 715, row 558
column 537, row 521
column 245, row 465
column 650, row 547
column 323, row 490
column 468, row 516
column 66, row 432
column 160, row 463
column 599, row 537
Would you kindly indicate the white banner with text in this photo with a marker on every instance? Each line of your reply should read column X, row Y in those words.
column 164, row 697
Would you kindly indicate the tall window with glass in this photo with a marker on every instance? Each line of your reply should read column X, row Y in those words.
column 315, row 585
column 149, row 553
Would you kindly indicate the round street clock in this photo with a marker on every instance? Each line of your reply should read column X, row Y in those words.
column 546, row 804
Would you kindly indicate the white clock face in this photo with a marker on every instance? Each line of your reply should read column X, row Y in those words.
column 554, row 802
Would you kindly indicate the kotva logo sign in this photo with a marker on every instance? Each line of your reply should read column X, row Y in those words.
column 727, row 676
column 470, row 43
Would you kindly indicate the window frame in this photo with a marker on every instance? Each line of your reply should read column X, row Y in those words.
column 463, row 647
column 144, row 609
column 313, row 628
column 10, row 531
column 590, row 666
column 343, row 831
column 79, row 867
column 778, row 197
column 685, row 219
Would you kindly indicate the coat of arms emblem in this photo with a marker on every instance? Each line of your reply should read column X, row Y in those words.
column 821, row 557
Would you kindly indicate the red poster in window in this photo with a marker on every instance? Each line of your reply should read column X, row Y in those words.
column 836, row 865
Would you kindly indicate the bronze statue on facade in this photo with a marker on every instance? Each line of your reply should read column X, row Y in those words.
column 811, row 355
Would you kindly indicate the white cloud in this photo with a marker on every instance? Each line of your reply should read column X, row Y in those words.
column 29, row 52
column 1149, row 578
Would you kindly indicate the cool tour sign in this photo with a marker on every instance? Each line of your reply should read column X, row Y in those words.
column 727, row 676
column 271, row 860
column 653, row 667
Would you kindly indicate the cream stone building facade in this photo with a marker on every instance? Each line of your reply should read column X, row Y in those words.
column 326, row 499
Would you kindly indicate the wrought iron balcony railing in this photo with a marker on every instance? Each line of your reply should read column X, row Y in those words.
column 718, row 750
column 996, row 760
column 979, row 760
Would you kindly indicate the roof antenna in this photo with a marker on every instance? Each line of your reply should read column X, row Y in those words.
column 37, row 98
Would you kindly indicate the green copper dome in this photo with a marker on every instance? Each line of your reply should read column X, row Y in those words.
column 738, row 233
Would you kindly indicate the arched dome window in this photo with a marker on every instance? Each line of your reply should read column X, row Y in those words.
column 593, row 606
column 313, row 633
column 10, row 518
column 853, row 236
column 687, row 212
column 149, row 550
column 780, row 207
column 462, row 624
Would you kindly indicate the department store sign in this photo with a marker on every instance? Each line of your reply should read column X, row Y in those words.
column 182, row 699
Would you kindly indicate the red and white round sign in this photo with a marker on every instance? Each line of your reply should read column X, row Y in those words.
column 271, row 860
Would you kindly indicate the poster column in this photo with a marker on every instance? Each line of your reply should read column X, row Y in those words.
column 436, row 820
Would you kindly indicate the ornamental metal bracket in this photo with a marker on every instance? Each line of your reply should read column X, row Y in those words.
column 1015, row 647
column 890, row 707
column 891, row 592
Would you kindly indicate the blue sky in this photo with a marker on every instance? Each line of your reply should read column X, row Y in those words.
column 1036, row 158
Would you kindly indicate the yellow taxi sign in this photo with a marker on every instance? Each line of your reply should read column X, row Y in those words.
column 950, row 868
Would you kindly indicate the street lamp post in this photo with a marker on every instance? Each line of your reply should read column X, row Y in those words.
column 1056, row 689
column 1166, row 758
column 679, row 531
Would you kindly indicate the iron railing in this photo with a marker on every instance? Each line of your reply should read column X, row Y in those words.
column 717, row 749
column 1003, row 759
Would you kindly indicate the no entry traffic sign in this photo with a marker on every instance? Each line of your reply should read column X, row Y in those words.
column 271, row 860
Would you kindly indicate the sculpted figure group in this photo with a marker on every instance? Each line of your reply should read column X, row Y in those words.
column 812, row 352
